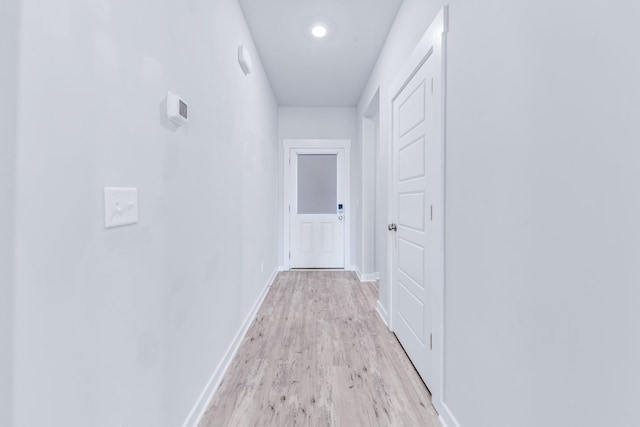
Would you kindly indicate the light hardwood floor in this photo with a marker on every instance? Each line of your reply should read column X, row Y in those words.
column 317, row 354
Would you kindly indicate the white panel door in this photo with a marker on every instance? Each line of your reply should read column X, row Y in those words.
column 317, row 207
column 416, row 168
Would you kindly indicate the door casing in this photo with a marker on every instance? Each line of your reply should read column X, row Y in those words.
column 290, row 146
column 433, row 42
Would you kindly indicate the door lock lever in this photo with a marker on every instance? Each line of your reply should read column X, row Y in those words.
column 392, row 227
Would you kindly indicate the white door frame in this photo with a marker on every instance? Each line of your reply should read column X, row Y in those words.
column 295, row 144
column 435, row 35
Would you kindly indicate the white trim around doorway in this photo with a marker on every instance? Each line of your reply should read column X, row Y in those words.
column 437, row 29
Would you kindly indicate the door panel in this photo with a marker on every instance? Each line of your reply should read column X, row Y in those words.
column 411, row 260
column 328, row 234
column 412, row 109
column 306, row 237
column 412, row 195
column 316, row 224
column 411, row 210
column 411, row 310
column 411, row 160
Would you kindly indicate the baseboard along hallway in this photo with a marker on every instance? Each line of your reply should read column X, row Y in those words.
column 319, row 354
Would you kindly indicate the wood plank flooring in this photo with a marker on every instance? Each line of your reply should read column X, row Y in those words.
column 317, row 354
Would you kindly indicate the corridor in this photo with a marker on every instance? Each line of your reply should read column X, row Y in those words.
column 161, row 171
column 318, row 354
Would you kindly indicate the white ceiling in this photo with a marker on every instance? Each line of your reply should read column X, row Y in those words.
column 327, row 72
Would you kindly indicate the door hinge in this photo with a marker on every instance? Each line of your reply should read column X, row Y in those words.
column 430, row 341
column 289, row 254
column 431, row 212
column 289, row 160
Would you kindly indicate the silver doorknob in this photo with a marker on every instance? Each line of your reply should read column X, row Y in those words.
column 340, row 217
column 392, row 227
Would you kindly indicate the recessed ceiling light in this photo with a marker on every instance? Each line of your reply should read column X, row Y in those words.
column 319, row 31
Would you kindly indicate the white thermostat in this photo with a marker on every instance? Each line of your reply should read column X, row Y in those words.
column 177, row 109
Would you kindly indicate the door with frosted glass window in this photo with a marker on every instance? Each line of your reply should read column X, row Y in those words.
column 317, row 208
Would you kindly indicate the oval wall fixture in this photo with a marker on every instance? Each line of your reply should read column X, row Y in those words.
column 319, row 31
column 244, row 59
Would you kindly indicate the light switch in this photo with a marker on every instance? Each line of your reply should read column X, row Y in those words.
column 120, row 206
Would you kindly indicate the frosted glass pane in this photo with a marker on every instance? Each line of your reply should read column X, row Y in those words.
column 317, row 183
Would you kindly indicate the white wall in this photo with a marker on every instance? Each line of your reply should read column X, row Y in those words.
column 126, row 326
column 9, row 46
column 320, row 123
column 542, row 205
column 372, row 227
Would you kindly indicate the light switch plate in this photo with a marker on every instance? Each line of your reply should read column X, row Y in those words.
column 120, row 206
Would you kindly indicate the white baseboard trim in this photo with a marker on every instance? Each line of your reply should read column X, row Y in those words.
column 371, row 277
column 201, row 405
column 282, row 268
column 445, row 415
column 383, row 314
column 357, row 271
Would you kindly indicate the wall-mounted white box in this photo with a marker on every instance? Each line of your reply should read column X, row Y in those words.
column 177, row 109
column 120, row 206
